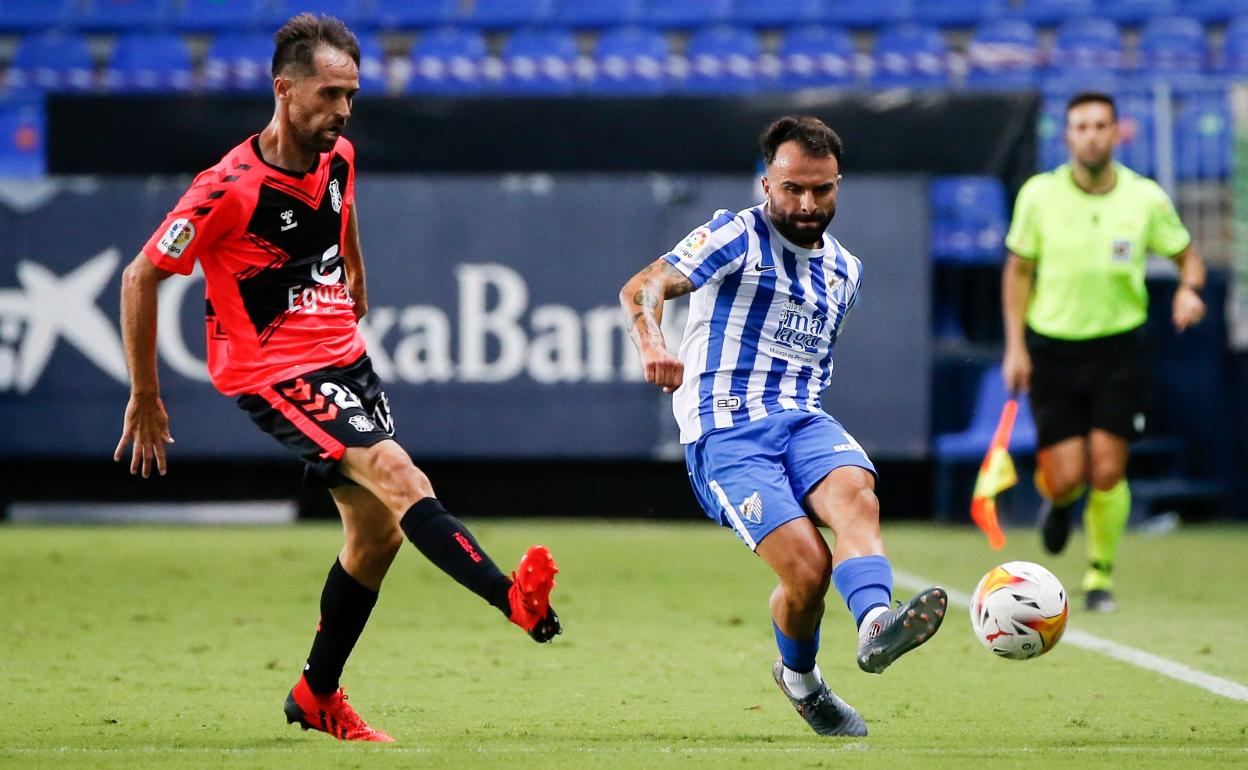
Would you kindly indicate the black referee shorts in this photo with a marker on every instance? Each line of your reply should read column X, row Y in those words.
column 321, row 413
column 1078, row 385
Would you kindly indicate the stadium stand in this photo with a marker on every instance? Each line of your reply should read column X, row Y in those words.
column 374, row 69
column 1135, row 11
column 149, row 62
column 539, row 62
column 239, row 62
column 777, row 13
column 810, row 56
column 52, row 61
column 31, row 15
column 630, row 60
column 958, row 13
column 122, row 15
column 969, row 218
column 859, row 15
column 910, row 56
column 422, row 15
column 448, row 61
column 576, row 14
column 1204, row 141
column 21, row 138
column 505, row 14
column 360, row 15
column 1050, row 12
column 686, row 14
column 1003, row 54
column 722, row 59
column 202, row 16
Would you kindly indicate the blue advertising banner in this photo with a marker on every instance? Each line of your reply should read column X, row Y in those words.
column 493, row 318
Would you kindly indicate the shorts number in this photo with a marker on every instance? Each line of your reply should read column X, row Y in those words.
column 344, row 398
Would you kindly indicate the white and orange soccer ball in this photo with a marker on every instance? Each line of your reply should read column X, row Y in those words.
column 1019, row 610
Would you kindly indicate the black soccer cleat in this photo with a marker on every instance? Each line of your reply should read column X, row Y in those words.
column 1100, row 600
column 901, row 629
column 1054, row 523
column 823, row 711
column 547, row 628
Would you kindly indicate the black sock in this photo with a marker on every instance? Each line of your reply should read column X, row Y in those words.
column 345, row 607
column 451, row 547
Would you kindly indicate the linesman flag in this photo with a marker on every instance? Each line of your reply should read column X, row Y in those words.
column 996, row 474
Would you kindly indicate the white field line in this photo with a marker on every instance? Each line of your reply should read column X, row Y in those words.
column 821, row 749
column 1116, row 650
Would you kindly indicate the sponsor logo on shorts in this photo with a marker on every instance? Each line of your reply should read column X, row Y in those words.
column 752, row 508
column 175, row 240
column 361, row 423
column 851, row 445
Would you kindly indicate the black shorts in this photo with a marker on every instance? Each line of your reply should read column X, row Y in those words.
column 321, row 413
column 1080, row 385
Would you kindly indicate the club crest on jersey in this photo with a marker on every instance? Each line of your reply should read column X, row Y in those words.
column 175, row 240
column 1122, row 250
column 752, row 509
column 335, row 196
column 361, row 423
column 693, row 244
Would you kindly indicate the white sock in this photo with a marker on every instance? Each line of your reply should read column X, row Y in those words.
column 802, row 685
column 871, row 615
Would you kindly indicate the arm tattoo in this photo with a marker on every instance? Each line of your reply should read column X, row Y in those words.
column 679, row 285
column 646, row 309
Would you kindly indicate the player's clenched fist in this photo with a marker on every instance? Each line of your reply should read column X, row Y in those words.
column 662, row 369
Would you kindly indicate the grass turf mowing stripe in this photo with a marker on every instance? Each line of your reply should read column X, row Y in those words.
column 1116, row 650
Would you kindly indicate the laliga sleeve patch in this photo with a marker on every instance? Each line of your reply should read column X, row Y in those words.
column 175, row 240
column 693, row 246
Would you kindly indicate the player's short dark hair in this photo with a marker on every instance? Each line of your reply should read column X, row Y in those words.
column 295, row 44
column 1092, row 97
column 810, row 132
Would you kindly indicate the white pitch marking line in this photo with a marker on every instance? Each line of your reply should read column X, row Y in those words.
column 1116, row 650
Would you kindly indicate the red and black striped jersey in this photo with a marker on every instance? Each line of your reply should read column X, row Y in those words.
column 270, row 243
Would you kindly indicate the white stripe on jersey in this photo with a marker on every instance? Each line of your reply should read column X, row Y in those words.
column 762, row 321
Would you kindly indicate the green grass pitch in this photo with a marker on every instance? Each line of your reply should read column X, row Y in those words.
column 175, row 647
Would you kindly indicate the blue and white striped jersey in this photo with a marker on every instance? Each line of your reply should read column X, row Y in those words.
column 763, row 320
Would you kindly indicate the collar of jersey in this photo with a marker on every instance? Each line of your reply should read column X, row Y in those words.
column 1069, row 175
column 254, row 144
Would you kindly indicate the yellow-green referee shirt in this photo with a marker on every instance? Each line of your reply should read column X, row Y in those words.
column 1089, row 250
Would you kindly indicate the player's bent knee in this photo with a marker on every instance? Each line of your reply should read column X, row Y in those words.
column 1106, row 477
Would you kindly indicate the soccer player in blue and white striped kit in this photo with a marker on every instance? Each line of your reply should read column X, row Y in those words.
column 771, row 291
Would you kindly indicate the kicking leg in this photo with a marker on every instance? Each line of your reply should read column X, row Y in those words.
column 845, row 501
column 387, row 471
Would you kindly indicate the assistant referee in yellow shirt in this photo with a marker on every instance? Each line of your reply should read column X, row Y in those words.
column 1075, row 308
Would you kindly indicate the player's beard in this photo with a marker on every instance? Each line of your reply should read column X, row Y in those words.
column 787, row 225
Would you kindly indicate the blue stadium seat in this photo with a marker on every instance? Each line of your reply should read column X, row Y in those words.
column 631, row 60
column 857, row 14
column 1137, row 135
column 503, row 14
column 540, row 61
column 417, row 15
column 448, row 61
column 1087, row 45
column 812, row 57
column 1172, row 45
column 1047, row 12
column 228, row 16
column 1234, row 58
column 685, row 14
column 357, row 14
column 374, row 67
column 53, row 61
column 1213, row 10
column 22, row 129
column 239, row 62
column 1050, row 134
column 1204, row 140
column 777, row 13
column 968, row 219
column 31, row 15
column 579, row 14
column 1136, row 11
column 958, row 13
column 723, row 60
column 123, row 15
column 149, row 62
column 1003, row 54
column 972, row 443
column 910, row 56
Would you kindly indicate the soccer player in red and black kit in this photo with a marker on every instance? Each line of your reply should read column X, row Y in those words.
column 274, row 226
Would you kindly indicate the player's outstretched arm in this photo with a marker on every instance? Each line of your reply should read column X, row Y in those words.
column 146, row 425
column 642, row 299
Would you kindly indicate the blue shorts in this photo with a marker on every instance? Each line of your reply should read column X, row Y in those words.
column 755, row 477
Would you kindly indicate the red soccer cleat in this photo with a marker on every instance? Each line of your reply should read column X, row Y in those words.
column 329, row 714
column 531, row 584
